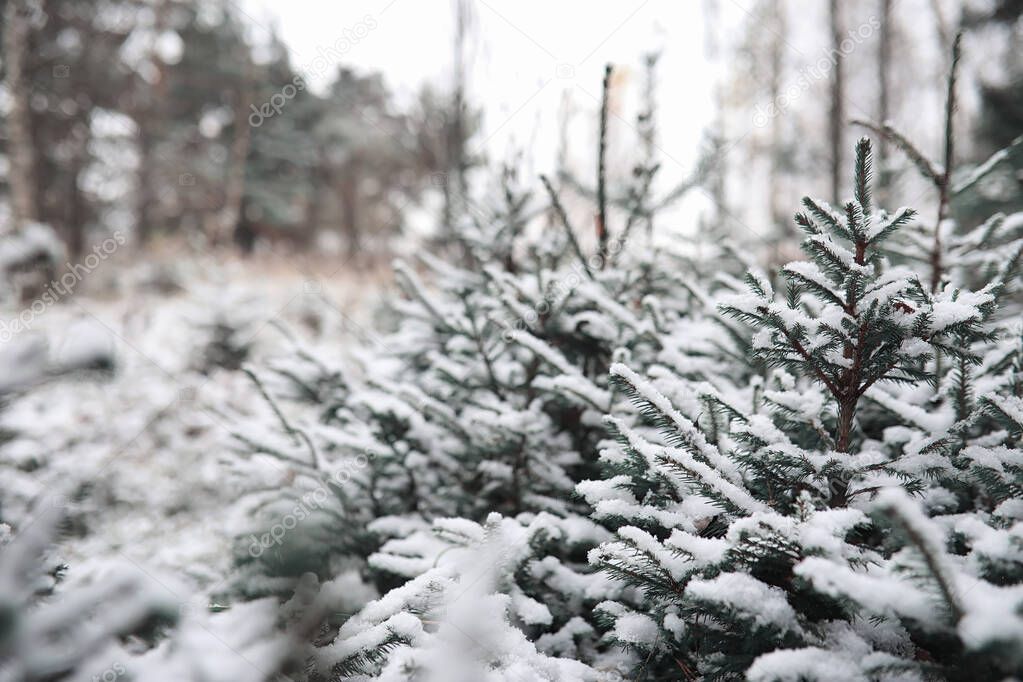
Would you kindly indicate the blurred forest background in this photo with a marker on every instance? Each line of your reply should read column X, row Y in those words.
column 167, row 121
column 160, row 120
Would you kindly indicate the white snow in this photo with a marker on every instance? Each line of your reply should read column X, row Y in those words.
column 749, row 598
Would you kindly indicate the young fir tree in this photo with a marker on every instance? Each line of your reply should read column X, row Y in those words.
column 47, row 633
column 768, row 530
column 484, row 406
column 488, row 398
column 753, row 516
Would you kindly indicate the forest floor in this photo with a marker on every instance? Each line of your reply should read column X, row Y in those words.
column 149, row 442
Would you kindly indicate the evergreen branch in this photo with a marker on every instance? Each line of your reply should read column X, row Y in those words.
column 360, row 662
column 806, row 224
column 636, row 210
column 1007, row 411
column 818, row 372
column 855, row 218
column 824, row 213
column 985, row 169
column 722, row 493
column 815, row 287
column 257, row 447
column 926, row 168
column 411, row 285
column 677, row 429
column 1008, row 271
column 641, row 569
column 950, row 108
column 559, row 210
column 820, row 252
column 895, row 503
column 488, row 364
column 297, row 434
column 893, row 225
column 861, row 191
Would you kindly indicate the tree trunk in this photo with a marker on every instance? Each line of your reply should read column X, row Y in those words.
column 349, row 196
column 456, row 164
column 147, row 120
column 846, row 412
column 144, row 182
column 779, row 218
column 234, row 187
column 314, row 206
column 837, row 110
column 21, row 173
column 74, row 220
column 884, row 61
column 839, row 485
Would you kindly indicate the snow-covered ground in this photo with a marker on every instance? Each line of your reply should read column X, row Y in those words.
column 138, row 454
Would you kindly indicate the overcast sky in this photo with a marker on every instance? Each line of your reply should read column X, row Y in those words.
column 532, row 59
column 525, row 57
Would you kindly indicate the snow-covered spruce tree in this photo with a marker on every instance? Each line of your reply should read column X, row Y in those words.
column 456, row 443
column 463, row 411
column 121, row 623
column 51, row 634
column 769, row 529
column 951, row 253
column 512, row 591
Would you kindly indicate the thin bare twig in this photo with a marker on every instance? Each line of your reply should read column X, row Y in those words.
column 602, row 229
column 559, row 210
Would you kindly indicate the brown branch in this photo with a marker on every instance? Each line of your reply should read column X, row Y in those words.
column 946, row 177
column 806, row 356
column 602, row 229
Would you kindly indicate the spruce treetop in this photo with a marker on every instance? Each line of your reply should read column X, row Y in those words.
column 849, row 319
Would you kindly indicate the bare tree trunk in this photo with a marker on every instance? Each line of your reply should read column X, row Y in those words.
column 147, row 121
column 234, row 186
column 884, row 62
column 349, row 196
column 456, row 164
column 144, row 180
column 778, row 214
column 314, row 207
column 460, row 130
column 718, row 187
column 837, row 111
column 75, row 211
column 19, row 125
